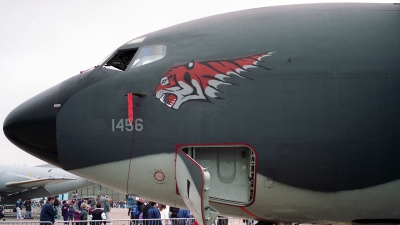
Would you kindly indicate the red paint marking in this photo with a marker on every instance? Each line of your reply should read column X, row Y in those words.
column 159, row 176
column 130, row 107
column 251, row 214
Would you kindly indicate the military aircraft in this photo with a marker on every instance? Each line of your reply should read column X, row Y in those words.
column 23, row 182
column 281, row 114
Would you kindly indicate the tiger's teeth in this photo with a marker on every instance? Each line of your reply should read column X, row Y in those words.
column 162, row 98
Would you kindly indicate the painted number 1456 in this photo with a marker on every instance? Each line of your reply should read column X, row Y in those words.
column 123, row 124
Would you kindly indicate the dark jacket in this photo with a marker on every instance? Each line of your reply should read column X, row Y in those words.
column 71, row 211
column 1, row 212
column 28, row 205
column 18, row 204
column 96, row 214
column 174, row 212
column 56, row 202
column 140, row 206
column 79, row 204
column 64, row 209
column 47, row 214
column 145, row 209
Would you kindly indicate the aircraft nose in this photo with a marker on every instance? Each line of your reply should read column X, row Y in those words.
column 32, row 126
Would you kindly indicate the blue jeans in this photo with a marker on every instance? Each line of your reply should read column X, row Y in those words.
column 19, row 216
column 29, row 214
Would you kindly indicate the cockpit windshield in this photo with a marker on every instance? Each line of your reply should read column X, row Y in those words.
column 149, row 54
column 121, row 59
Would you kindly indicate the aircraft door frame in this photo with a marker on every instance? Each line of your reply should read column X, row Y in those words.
column 230, row 166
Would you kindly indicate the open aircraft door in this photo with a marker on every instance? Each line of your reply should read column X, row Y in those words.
column 193, row 182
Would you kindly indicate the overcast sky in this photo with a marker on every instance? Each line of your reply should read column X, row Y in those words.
column 43, row 42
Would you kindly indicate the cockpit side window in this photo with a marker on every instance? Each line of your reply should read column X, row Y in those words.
column 122, row 58
column 149, row 54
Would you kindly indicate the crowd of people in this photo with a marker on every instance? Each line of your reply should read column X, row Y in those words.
column 80, row 211
column 153, row 213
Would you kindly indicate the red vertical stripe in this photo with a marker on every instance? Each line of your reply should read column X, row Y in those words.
column 130, row 107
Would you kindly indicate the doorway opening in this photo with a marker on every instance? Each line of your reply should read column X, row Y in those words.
column 232, row 171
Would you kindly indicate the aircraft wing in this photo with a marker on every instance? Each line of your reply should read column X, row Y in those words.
column 34, row 183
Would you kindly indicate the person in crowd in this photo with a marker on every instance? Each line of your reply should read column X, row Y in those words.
column 173, row 215
column 84, row 214
column 145, row 209
column 90, row 209
column 2, row 213
column 56, row 204
column 107, row 208
column 135, row 214
column 98, row 214
column 71, row 211
column 48, row 212
column 64, row 211
column 139, row 213
column 153, row 214
column 18, row 207
column 80, row 203
column 28, row 209
column 130, row 201
column 222, row 220
column 183, row 213
column 140, row 204
column 94, row 203
column 164, row 212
